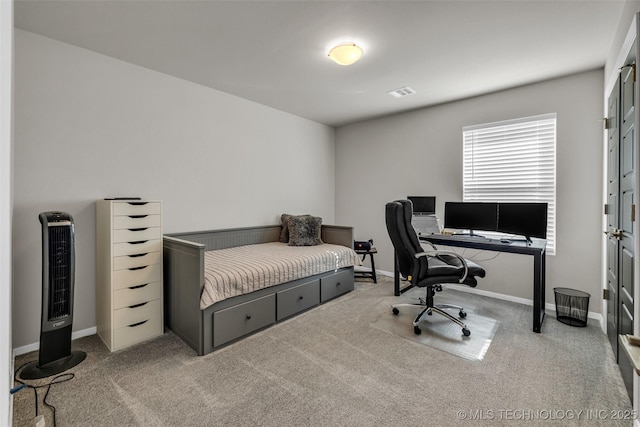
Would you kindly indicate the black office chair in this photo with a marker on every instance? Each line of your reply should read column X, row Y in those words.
column 427, row 269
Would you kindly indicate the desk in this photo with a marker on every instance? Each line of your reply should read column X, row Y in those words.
column 537, row 249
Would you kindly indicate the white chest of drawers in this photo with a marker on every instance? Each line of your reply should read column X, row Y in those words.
column 129, row 305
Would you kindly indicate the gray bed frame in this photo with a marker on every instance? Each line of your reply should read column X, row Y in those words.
column 231, row 319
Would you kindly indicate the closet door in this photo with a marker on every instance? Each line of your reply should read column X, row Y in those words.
column 621, row 213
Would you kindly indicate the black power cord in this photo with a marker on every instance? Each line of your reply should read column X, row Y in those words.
column 56, row 380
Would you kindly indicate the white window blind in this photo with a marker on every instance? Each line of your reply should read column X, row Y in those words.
column 513, row 161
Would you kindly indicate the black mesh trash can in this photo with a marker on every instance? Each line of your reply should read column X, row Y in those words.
column 572, row 306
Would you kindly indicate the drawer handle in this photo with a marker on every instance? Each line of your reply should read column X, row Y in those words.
column 138, row 229
column 300, row 297
column 139, row 323
column 137, row 203
column 138, row 268
column 137, row 216
column 337, row 284
column 137, row 255
column 138, row 305
column 138, row 286
column 139, row 242
column 248, row 317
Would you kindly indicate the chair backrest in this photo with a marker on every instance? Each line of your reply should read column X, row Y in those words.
column 404, row 239
column 407, row 206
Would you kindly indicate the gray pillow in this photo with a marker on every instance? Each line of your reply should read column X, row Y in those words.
column 304, row 230
column 284, row 232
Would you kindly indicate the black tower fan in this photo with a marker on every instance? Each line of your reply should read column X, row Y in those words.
column 58, row 271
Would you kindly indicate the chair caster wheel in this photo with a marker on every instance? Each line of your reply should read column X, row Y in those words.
column 462, row 314
column 417, row 330
column 466, row 332
column 395, row 311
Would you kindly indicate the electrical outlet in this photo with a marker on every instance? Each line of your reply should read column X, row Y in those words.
column 39, row 420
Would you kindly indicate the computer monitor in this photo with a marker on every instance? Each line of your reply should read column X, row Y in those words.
column 524, row 219
column 423, row 205
column 471, row 216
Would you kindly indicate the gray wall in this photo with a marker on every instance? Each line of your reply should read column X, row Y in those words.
column 88, row 127
column 420, row 153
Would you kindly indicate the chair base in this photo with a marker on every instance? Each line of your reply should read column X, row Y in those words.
column 428, row 310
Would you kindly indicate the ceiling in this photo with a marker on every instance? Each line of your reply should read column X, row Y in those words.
column 275, row 52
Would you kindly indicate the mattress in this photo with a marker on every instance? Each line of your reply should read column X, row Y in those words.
column 244, row 269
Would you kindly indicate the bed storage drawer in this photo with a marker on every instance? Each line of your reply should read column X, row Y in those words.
column 336, row 284
column 242, row 319
column 297, row 299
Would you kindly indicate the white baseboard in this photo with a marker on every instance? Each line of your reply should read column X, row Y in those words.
column 547, row 307
column 35, row 346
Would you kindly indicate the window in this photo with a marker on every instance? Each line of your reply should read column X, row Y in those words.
column 513, row 161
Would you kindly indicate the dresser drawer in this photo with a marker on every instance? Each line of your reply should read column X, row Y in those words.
column 134, row 248
column 135, row 221
column 336, row 284
column 297, row 299
column 136, row 208
column 131, row 315
column 137, row 332
column 234, row 322
column 136, row 234
column 127, row 297
column 139, row 276
column 132, row 261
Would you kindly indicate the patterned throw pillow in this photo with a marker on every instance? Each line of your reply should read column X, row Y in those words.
column 304, row 230
column 284, row 232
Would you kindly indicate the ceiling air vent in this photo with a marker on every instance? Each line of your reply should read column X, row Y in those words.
column 403, row 91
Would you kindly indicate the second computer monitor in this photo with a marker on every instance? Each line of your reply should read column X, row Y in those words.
column 524, row 219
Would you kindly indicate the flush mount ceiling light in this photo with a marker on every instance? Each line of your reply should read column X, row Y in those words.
column 346, row 53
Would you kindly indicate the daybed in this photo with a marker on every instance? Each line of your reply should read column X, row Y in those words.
column 225, row 321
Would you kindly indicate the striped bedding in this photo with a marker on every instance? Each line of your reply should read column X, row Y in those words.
column 243, row 269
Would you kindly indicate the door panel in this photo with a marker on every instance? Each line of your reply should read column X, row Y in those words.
column 626, row 213
column 613, row 173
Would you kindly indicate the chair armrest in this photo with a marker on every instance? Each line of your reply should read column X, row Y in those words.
column 437, row 252
column 429, row 243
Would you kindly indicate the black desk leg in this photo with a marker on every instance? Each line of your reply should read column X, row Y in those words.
column 538, row 290
column 373, row 269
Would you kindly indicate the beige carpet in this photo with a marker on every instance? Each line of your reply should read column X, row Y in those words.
column 331, row 367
